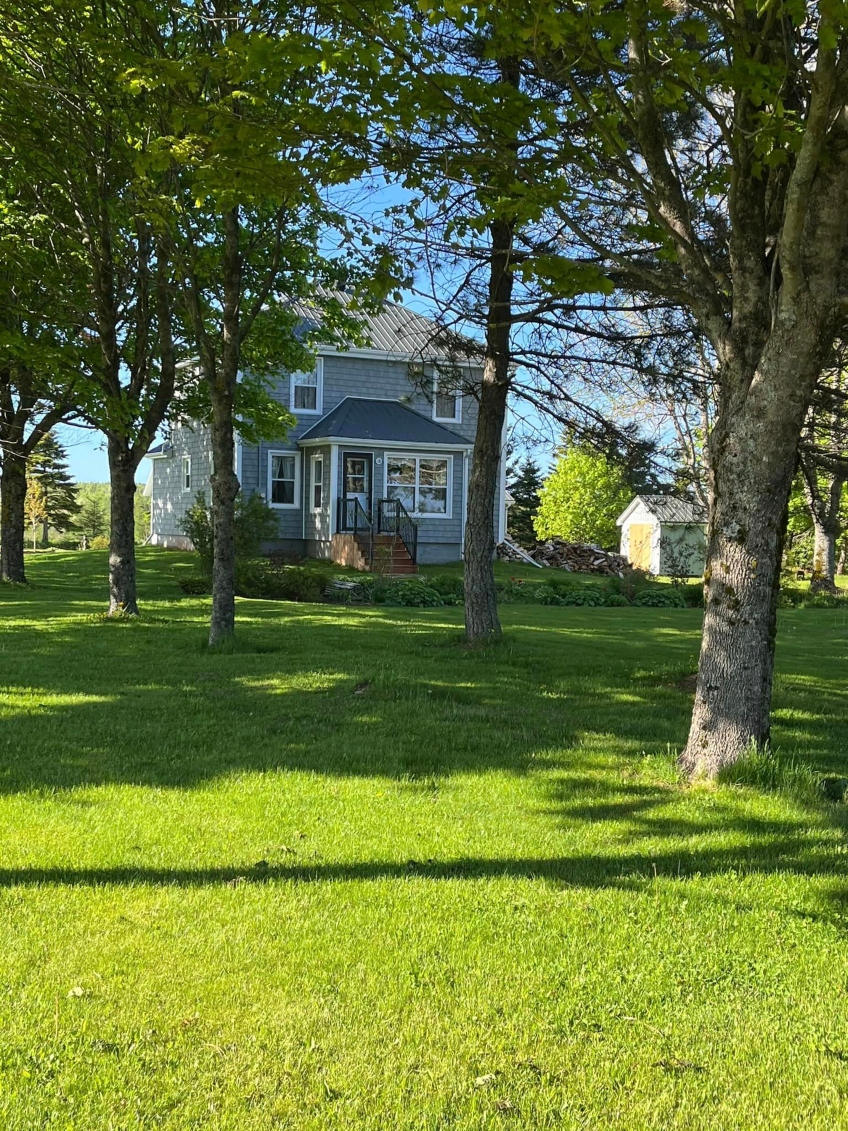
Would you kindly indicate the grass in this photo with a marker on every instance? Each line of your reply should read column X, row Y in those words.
column 351, row 875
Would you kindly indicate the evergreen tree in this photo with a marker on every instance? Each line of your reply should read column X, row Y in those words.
column 93, row 518
column 524, row 485
column 49, row 465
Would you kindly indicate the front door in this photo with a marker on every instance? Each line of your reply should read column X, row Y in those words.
column 357, row 470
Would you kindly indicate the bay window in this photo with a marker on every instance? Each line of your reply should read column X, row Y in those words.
column 421, row 483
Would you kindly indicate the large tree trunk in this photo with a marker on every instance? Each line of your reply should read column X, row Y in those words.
column 481, row 608
column 225, row 487
column 752, row 457
column 225, row 484
column 13, row 487
column 123, row 597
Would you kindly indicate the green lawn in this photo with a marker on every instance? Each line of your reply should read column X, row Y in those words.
column 351, row 875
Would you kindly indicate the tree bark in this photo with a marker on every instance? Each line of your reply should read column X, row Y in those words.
column 123, row 597
column 482, row 623
column 752, row 465
column 13, row 485
column 824, row 557
column 225, row 484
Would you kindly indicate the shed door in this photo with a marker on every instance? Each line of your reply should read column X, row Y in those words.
column 641, row 537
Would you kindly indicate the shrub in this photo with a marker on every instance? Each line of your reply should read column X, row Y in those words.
column 414, row 593
column 546, row 595
column 589, row 598
column 616, row 600
column 449, row 588
column 255, row 523
column 790, row 598
column 290, row 583
column 660, row 597
column 826, row 601
column 101, row 542
column 194, row 586
column 633, row 582
column 512, row 590
column 693, row 594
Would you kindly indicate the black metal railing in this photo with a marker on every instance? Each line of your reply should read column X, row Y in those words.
column 354, row 519
column 393, row 518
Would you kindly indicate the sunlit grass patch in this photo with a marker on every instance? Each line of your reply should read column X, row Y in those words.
column 348, row 874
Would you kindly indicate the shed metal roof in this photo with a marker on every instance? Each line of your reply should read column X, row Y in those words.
column 359, row 418
column 668, row 510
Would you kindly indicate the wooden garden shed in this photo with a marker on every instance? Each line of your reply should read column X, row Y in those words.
column 664, row 535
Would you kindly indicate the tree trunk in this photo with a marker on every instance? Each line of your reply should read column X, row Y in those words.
column 824, row 557
column 840, row 565
column 482, row 623
column 13, row 487
column 752, row 458
column 123, row 597
column 225, row 484
column 481, row 609
column 225, row 487
column 45, row 532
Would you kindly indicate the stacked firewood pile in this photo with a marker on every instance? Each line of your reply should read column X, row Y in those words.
column 579, row 557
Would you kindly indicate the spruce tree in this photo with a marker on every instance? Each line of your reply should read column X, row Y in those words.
column 49, row 465
column 524, row 487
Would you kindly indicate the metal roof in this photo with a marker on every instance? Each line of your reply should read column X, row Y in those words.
column 669, row 509
column 397, row 330
column 358, row 418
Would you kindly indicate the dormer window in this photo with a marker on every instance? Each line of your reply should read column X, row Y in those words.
column 307, row 390
column 447, row 400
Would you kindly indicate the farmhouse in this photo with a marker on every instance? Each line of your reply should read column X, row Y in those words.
column 379, row 456
column 664, row 535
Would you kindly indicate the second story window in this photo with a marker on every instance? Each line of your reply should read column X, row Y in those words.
column 447, row 400
column 186, row 473
column 307, row 390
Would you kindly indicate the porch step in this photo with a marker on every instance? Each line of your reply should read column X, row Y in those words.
column 391, row 552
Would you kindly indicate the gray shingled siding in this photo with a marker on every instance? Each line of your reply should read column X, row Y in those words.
column 439, row 539
column 317, row 525
column 169, row 502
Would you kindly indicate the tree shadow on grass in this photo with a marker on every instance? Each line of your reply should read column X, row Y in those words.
column 627, row 871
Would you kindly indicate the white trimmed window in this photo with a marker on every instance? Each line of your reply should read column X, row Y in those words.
column 307, row 390
column 186, row 473
column 317, row 482
column 284, row 479
column 447, row 400
column 422, row 483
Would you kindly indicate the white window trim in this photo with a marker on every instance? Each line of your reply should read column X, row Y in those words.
column 185, row 473
column 457, row 403
column 419, row 456
column 295, row 506
column 317, row 458
column 319, row 392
